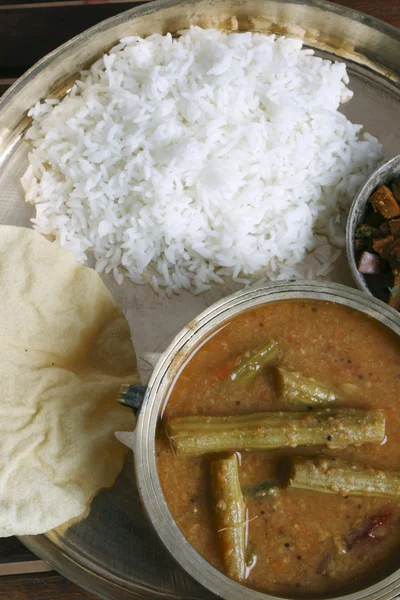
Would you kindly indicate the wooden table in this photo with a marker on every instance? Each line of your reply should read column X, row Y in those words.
column 29, row 29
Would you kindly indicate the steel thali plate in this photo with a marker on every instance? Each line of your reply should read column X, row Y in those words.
column 114, row 552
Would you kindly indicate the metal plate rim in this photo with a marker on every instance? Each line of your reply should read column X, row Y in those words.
column 40, row 544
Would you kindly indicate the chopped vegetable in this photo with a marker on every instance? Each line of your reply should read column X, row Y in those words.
column 298, row 389
column 377, row 242
column 196, row 435
column 260, row 490
column 372, row 530
column 341, row 477
column 230, row 515
column 367, row 231
column 384, row 202
column 382, row 246
column 248, row 368
column 369, row 264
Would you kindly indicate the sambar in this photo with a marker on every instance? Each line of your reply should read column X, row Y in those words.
column 299, row 542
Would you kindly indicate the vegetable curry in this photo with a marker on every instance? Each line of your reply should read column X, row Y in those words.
column 278, row 449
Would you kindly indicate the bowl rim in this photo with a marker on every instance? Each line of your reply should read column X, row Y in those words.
column 167, row 368
column 377, row 178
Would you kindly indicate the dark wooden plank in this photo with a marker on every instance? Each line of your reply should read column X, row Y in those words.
column 25, row 2
column 32, row 4
column 26, row 35
column 41, row 587
column 5, row 84
column 11, row 549
column 386, row 10
column 22, row 28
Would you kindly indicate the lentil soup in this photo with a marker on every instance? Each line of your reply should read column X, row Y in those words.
column 296, row 541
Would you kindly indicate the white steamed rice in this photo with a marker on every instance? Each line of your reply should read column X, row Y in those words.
column 181, row 161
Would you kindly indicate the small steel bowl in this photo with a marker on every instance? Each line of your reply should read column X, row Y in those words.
column 169, row 364
column 382, row 176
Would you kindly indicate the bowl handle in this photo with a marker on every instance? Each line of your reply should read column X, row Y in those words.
column 128, row 438
column 151, row 357
column 132, row 396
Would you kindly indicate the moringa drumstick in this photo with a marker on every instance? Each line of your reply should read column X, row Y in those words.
column 298, row 389
column 335, row 427
column 230, row 515
column 251, row 364
column 342, row 477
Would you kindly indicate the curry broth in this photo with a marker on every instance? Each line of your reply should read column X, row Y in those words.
column 298, row 541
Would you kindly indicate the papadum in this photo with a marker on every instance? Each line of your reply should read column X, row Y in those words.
column 65, row 350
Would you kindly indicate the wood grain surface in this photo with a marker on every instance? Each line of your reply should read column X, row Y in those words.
column 29, row 29
column 386, row 10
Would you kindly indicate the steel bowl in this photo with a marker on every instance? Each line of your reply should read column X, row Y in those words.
column 382, row 176
column 166, row 369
